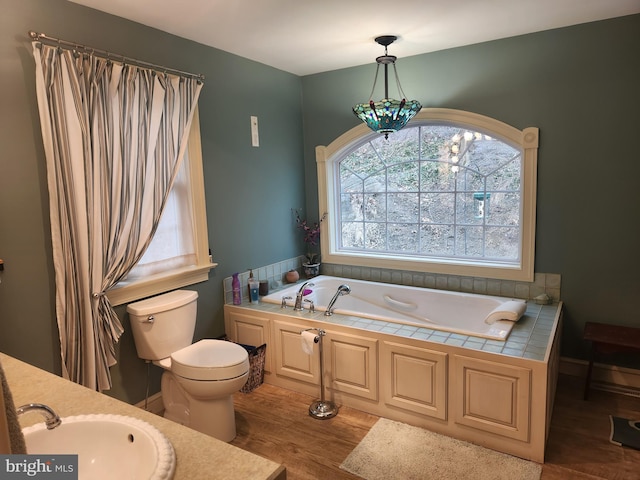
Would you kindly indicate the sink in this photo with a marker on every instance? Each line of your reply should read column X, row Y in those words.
column 108, row 446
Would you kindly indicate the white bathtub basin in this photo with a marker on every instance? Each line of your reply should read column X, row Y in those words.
column 108, row 446
column 456, row 312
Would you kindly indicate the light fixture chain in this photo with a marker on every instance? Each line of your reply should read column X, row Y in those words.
column 375, row 80
column 398, row 81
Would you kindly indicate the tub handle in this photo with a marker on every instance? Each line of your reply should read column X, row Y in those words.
column 398, row 304
column 312, row 308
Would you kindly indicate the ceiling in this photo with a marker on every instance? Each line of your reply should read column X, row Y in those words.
column 310, row 36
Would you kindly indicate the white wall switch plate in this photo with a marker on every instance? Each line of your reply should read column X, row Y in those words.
column 255, row 138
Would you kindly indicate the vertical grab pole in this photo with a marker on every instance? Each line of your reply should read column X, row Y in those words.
column 321, row 333
column 322, row 409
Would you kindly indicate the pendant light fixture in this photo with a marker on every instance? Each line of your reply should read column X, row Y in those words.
column 387, row 115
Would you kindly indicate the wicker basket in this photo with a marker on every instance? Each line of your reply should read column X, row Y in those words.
column 256, row 367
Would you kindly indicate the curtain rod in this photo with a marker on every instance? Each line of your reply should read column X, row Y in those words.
column 41, row 37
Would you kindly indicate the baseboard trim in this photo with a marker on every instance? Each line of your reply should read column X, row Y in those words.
column 154, row 404
column 604, row 377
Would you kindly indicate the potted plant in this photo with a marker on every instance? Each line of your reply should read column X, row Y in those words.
column 310, row 236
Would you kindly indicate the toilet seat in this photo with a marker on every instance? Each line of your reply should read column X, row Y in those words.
column 210, row 360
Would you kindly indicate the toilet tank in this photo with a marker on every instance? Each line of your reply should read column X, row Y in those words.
column 163, row 324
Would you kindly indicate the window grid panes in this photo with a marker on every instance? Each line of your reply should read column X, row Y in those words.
column 437, row 191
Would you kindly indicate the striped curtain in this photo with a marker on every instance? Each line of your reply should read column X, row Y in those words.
column 114, row 136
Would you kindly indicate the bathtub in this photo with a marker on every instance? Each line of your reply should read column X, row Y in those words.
column 456, row 312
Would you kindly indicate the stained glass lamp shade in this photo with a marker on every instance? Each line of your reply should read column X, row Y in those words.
column 387, row 115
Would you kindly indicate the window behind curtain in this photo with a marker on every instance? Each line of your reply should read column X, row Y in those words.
column 173, row 244
column 178, row 255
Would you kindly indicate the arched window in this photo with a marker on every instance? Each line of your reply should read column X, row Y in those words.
column 453, row 192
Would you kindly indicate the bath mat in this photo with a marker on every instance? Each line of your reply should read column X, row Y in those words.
column 396, row 450
column 625, row 432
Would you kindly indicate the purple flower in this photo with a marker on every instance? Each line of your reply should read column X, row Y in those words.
column 310, row 234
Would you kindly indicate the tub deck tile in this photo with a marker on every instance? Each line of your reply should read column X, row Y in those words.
column 361, row 324
column 524, row 334
column 376, row 327
column 474, row 343
column 542, row 329
column 421, row 335
column 534, row 350
column 528, row 338
column 516, row 341
column 492, row 348
column 390, row 328
column 350, row 322
column 406, row 330
column 533, row 356
column 538, row 340
column 438, row 333
column 526, row 321
column 513, row 352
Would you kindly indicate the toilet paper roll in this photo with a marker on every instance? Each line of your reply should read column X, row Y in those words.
column 308, row 339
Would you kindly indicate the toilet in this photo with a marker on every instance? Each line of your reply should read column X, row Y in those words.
column 199, row 379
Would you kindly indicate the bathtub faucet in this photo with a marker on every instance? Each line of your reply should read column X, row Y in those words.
column 342, row 290
column 298, row 305
column 52, row 420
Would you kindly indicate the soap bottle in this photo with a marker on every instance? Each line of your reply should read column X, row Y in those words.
column 254, row 288
column 235, row 286
column 249, row 282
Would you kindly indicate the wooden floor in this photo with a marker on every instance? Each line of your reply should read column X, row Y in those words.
column 274, row 423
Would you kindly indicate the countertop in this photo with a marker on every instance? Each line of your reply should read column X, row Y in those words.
column 198, row 456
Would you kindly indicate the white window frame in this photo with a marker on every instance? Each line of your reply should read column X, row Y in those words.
column 327, row 161
column 184, row 276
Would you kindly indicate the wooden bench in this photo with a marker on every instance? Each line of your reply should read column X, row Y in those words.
column 607, row 339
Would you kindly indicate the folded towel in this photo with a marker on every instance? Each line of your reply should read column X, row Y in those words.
column 511, row 310
column 11, row 438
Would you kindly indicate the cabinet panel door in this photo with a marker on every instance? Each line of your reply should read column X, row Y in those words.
column 351, row 362
column 492, row 396
column 252, row 330
column 290, row 360
column 415, row 379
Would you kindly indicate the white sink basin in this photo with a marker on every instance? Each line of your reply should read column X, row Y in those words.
column 108, row 447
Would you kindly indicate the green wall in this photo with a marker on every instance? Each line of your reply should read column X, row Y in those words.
column 581, row 87
column 250, row 191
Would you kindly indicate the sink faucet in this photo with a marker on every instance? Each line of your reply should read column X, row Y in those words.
column 342, row 290
column 52, row 420
column 299, row 295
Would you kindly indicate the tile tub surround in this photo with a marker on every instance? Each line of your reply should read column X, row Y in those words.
column 528, row 338
column 548, row 283
column 198, row 456
column 274, row 274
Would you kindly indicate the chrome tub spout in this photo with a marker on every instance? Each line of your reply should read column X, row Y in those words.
column 342, row 290
column 52, row 420
column 298, row 305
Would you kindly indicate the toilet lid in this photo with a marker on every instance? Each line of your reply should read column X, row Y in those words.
column 210, row 360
